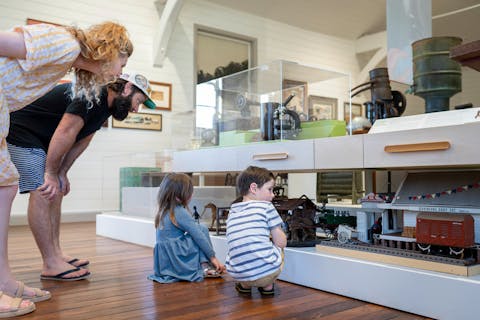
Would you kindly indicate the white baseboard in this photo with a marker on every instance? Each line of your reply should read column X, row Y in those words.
column 67, row 217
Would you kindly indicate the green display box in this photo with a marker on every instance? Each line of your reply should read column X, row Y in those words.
column 135, row 177
column 237, row 137
column 322, row 129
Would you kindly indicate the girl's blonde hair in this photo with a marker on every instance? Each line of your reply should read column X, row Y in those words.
column 102, row 42
column 175, row 189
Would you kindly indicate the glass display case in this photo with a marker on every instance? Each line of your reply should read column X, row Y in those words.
column 278, row 101
column 130, row 185
column 133, row 176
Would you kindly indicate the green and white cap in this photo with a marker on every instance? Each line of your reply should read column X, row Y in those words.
column 141, row 83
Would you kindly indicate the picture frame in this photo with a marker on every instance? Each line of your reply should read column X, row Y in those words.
column 358, row 110
column 162, row 95
column 322, row 108
column 220, row 53
column 141, row 121
column 299, row 101
column 35, row 21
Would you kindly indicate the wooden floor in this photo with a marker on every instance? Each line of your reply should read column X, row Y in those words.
column 119, row 289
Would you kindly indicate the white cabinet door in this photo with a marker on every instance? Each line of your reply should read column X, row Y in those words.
column 206, row 160
column 448, row 146
column 285, row 155
column 339, row 152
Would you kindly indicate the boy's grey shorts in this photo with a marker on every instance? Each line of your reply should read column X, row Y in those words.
column 30, row 163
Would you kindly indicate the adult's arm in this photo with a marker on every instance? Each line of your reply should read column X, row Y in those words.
column 69, row 159
column 62, row 141
column 12, row 44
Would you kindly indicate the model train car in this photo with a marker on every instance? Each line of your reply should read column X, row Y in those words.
column 443, row 234
column 455, row 231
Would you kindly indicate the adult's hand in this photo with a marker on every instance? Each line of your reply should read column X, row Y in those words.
column 64, row 184
column 50, row 186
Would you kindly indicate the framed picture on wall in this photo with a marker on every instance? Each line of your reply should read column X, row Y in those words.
column 299, row 102
column 220, row 53
column 142, row 121
column 357, row 111
column 322, row 108
column 162, row 95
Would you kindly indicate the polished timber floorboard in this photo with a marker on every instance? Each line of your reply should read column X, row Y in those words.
column 119, row 289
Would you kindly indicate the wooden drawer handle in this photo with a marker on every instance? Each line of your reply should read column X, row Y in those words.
column 270, row 156
column 414, row 147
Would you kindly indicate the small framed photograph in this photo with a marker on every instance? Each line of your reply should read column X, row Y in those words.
column 299, row 101
column 322, row 108
column 357, row 111
column 162, row 95
column 142, row 121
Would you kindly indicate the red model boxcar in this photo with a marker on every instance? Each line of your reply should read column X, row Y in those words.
column 445, row 229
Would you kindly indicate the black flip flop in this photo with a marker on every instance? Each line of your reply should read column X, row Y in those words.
column 61, row 276
column 241, row 289
column 80, row 265
column 264, row 292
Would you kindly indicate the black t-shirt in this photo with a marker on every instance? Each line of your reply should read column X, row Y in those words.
column 34, row 125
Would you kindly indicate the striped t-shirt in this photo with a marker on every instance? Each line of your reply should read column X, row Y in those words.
column 251, row 255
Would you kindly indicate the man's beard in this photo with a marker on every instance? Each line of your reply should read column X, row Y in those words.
column 121, row 106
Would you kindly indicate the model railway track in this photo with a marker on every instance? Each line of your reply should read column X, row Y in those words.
column 398, row 252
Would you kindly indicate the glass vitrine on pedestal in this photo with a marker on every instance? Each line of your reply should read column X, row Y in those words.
column 277, row 101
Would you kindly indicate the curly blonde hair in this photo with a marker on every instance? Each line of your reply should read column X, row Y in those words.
column 102, row 42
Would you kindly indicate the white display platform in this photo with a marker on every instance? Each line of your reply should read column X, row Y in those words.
column 431, row 294
column 426, row 120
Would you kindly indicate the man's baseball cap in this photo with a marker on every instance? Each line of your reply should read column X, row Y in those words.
column 141, row 83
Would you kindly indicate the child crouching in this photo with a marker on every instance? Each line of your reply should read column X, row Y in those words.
column 183, row 250
column 252, row 259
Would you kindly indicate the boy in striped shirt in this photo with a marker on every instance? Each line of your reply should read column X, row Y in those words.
column 254, row 260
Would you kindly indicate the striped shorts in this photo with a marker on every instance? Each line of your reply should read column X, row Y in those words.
column 30, row 163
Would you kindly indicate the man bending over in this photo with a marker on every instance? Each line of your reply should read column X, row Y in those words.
column 45, row 139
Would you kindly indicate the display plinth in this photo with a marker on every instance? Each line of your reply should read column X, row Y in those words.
column 427, row 293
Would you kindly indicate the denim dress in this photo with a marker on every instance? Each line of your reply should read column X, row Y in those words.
column 180, row 250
